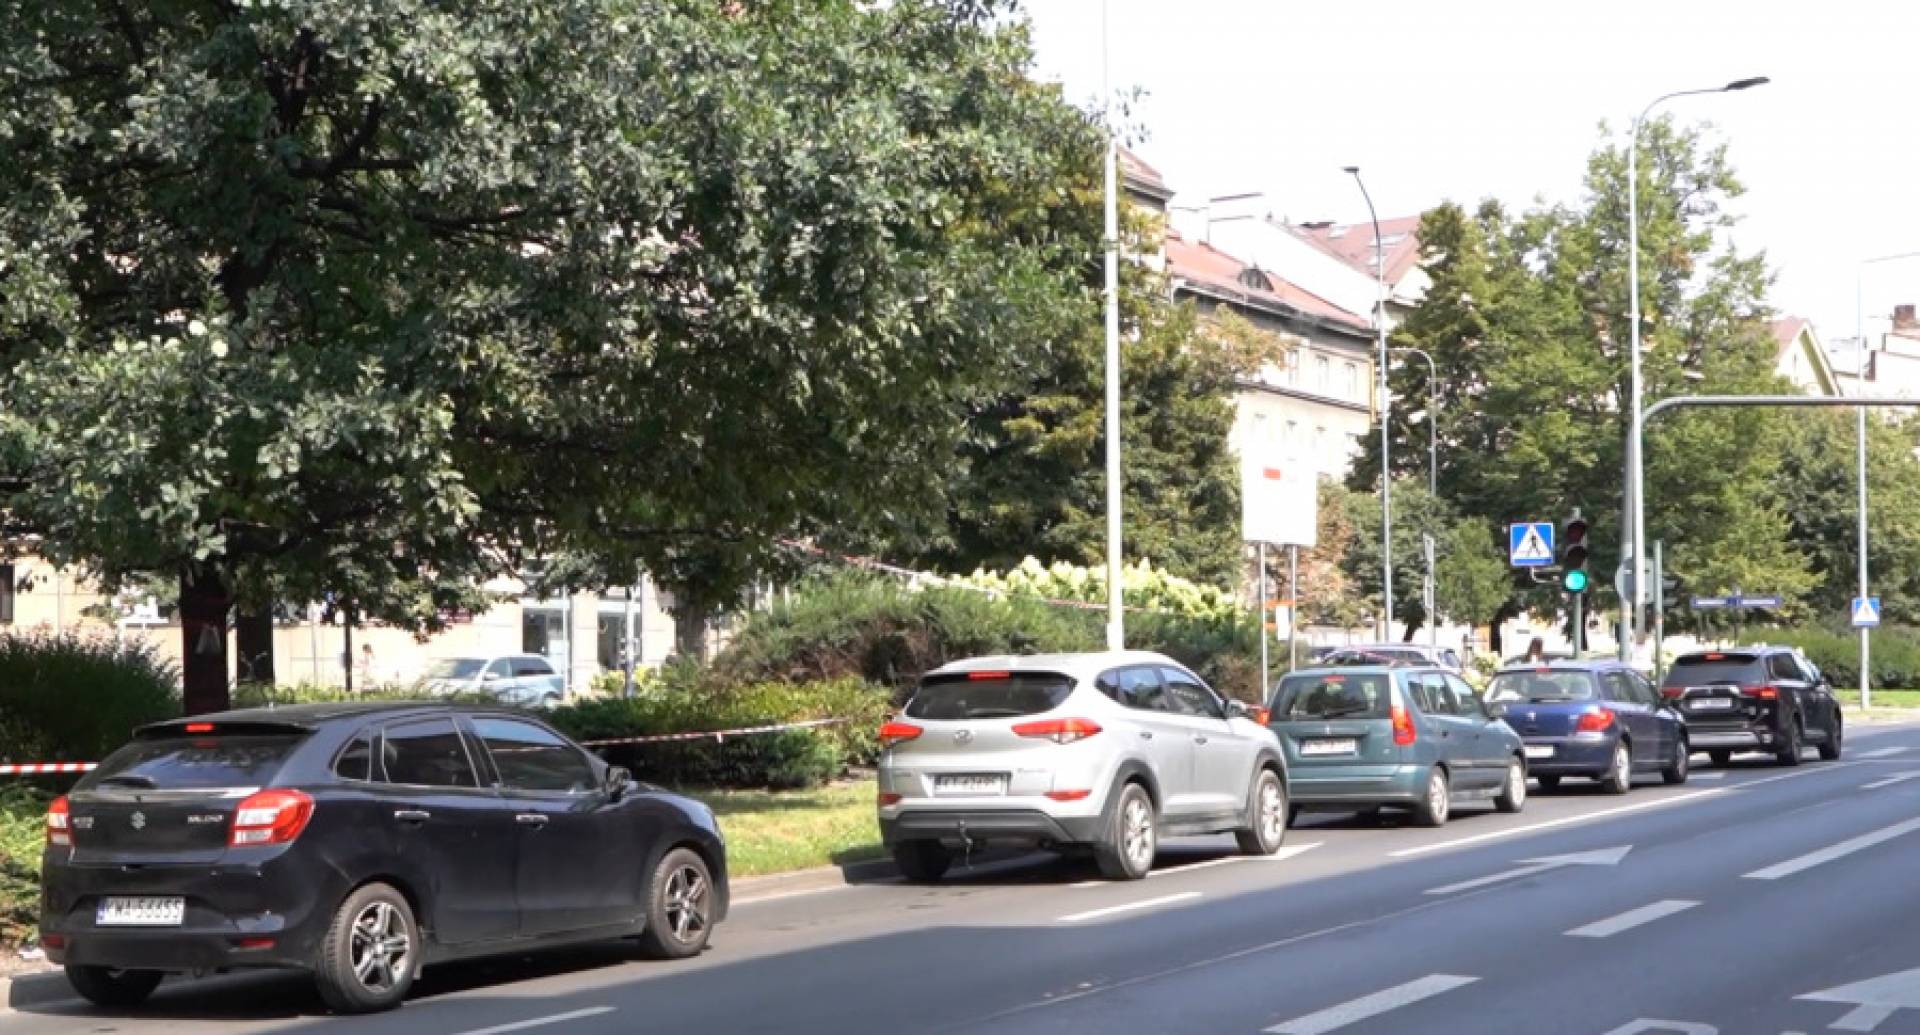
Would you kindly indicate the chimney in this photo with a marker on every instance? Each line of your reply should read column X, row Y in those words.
column 1903, row 318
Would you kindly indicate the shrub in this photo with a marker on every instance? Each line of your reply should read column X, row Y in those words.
column 75, row 698
column 1146, row 587
column 23, row 825
column 1895, row 656
column 794, row 758
column 255, row 695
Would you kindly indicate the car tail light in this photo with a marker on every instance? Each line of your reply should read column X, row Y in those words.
column 898, row 733
column 199, row 727
column 59, row 823
column 1068, row 795
column 1764, row 693
column 1595, row 720
column 989, row 675
column 1403, row 731
column 1060, row 731
column 271, row 818
column 53, row 941
column 1673, row 692
column 890, row 798
column 1260, row 715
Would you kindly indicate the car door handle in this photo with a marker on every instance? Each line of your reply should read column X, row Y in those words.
column 1146, row 734
column 1198, row 739
column 530, row 819
column 412, row 815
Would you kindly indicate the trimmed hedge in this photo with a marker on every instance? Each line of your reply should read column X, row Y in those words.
column 75, row 698
column 855, row 625
column 1895, row 656
column 23, row 831
column 794, row 758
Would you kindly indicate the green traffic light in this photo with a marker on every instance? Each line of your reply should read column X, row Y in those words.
column 1575, row 581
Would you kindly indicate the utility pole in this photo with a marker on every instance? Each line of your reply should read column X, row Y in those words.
column 1116, row 620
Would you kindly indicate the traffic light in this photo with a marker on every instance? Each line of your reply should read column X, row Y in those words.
column 1573, row 554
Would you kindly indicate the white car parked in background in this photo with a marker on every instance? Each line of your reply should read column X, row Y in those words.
column 526, row 680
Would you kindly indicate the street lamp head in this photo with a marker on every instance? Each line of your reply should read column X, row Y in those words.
column 1351, row 170
column 1743, row 84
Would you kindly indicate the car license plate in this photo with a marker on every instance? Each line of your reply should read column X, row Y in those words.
column 1539, row 750
column 1343, row 746
column 1710, row 704
column 971, row 784
column 141, row 912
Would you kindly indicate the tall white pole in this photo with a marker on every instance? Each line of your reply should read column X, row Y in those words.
column 1633, row 506
column 1116, row 622
column 1385, row 406
column 1262, row 611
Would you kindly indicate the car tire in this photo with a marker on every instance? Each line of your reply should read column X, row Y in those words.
column 1513, row 796
column 1618, row 779
column 1436, row 802
column 1679, row 765
column 679, row 907
column 1791, row 745
column 1266, row 814
column 1830, row 751
column 922, row 862
column 370, row 954
column 1720, row 759
column 1132, row 838
column 117, row 989
column 1549, row 783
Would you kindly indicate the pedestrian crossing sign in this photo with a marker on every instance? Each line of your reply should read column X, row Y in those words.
column 1530, row 544
column 1866, row 612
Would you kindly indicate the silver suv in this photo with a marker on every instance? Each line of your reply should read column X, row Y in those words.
column 1106, row 752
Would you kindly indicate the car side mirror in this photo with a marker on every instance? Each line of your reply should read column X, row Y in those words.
column 489, row 677
column 618, row 779
column 1239, row 710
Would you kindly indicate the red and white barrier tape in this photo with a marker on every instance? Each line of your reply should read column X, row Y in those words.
column 42, row 768
column 717, row 735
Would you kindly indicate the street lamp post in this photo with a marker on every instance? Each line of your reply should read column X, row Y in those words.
column 1431, row 597
column 1385, row 404
column 1633, row 509
column 1860, row 430
column 1116, row 629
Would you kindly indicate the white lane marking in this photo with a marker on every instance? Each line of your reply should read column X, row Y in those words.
column 1880, row 752
column 1554, row 824
column 1291, row 851
column 1873, row 1000
column 1095, row 914
column 1817, row 770
column 541, row 1022
column 1529, row 867
column 1832, row 852
column 1890, row 781
column 1385, row 1001
column 1644, row 1026
column 1711, row 774
column 1631, row 919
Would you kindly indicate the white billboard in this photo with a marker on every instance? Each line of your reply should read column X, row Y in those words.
column 1279, row 500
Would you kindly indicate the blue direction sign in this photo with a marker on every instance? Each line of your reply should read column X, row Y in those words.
column 1530, row 544
column 1866, row 612
column 1762, row 602
column 1709, row 603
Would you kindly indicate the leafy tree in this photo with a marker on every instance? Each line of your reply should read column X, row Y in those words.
column 377, row 299
column 1032, row 474
column 1471, row 579
column 1526, row 320
column 1328, row 595
column 1819, row 491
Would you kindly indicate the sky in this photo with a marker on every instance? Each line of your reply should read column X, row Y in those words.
column 1465, row 99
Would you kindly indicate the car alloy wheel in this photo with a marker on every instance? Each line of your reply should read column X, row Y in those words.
column 689, row 897
column 1619, row 778
column 1136, row 833
column 1513, row 796
column 679, row 907
column 380, row 949
column 1273, row 810
column 1433, row 810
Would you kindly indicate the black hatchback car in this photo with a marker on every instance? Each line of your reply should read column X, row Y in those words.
column 1755, row 698
column 361, row 842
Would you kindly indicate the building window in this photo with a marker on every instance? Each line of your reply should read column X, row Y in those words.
column 6, row 594
column 1353, row 381
column 1290, row 367
column 1323, row 371
column 1293, row 432
column 1320, row 441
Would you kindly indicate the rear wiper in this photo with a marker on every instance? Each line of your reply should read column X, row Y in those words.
column 131, row 780
column 994, row 713
column 1341, row 713
column 1548, row 699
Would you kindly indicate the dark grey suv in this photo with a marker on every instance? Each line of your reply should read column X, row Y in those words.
column 1754, row 698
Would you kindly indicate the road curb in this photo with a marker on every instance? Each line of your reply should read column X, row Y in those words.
column 25, row 991
column 767, row 887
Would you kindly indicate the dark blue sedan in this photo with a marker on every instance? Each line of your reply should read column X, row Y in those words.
column 1596, row 719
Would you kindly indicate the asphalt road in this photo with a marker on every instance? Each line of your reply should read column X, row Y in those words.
column 1752, row 901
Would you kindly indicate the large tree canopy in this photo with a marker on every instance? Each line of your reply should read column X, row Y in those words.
column 378, row 298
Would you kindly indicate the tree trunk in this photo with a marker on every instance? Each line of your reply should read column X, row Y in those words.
column 204, row 610
column 253, row 640
column 690, row 634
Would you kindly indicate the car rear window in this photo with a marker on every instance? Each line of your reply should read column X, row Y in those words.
column 1331, row 697
column 988, row 695
column 1541, row 686
column 197, row 763
column 1707, row 669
